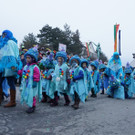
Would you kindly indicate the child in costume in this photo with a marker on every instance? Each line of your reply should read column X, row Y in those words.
column 133, row 81
column 127, row 82
column 60, row 77
column 87, row 76
column 115, row 88
column 95, row 78
column 47, row 84
column 78, row 90
column 102, row 82
column 106, row 78
column 31, row 80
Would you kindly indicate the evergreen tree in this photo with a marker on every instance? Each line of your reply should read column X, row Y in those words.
column 29, row 40
column 53, row 36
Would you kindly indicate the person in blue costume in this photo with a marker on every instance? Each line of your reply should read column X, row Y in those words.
column 31, row 86
column 47, row 84
column 95, row 78
column 78, row 90
column 10, row 63
column 23, row 60
column 115, row 89
column 60, row 77
column 127, row 81
column 87, row 76
column 115, row 65
column 102, row 82
column 116, row 72
column 106, row 78
column 133, row 81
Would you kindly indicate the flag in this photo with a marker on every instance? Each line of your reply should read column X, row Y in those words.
column 116, row 28
column 120, row 42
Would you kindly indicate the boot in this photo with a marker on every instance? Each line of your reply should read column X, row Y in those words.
column 31, row 110
column 1, row 91
column 44, row 99
column 67, row 101
column 77, row 101
column 55, row 101
column 76, row 106
column 92, row 93
column 12, row 102
column 109, row 96
column 73, row 105
column 102, row 91
column 126, row 94
column 50, row 101
column 95, row 95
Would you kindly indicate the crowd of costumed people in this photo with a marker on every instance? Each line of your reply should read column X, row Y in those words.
column 45, row 76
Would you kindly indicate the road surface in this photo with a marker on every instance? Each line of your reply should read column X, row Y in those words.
column 100, row 116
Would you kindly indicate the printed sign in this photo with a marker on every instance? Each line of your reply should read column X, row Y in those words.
column 62, row 47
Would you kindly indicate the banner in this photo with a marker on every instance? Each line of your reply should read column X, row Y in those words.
column 120, row 42
column 62, row 47
column 116, row 28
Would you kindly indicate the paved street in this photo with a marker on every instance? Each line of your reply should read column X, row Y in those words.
column 100, row 116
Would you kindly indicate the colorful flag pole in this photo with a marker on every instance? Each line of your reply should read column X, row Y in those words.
column 116, row 28
column 120, row 42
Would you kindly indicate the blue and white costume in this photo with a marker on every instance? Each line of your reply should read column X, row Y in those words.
column 115, row 88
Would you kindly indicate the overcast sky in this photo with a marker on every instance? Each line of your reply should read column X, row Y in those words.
column 94, row 19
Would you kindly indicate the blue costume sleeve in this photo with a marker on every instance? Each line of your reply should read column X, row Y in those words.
column 98, row 77
column 128, row 82
column 80, row 76
column 122, row 83
column 120, row 71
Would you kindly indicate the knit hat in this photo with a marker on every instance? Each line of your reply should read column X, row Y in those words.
column 9, row 35
column 75, row 57
column 48, row 62
column 128, row 69
column 33, row 52
column 95, row 63
column 61, row 54
column 84, row 61
column 101, row 65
